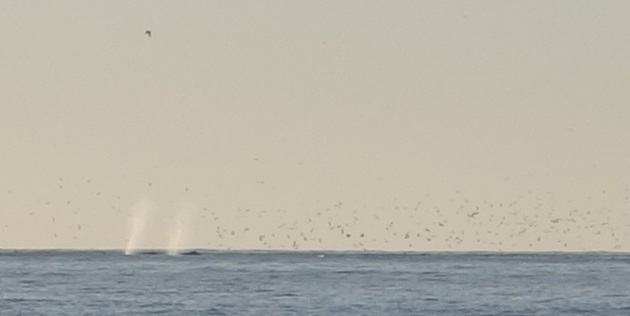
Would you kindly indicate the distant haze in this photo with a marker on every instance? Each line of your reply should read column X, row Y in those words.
column 382, row 125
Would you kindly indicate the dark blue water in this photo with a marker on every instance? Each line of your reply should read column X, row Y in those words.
column 281, row 283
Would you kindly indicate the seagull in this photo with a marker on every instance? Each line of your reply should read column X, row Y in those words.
column 148, row 33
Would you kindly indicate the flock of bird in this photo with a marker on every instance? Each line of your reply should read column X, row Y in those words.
column 530, row 221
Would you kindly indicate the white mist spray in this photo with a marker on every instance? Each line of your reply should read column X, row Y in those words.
column 137, row 223
column 181, row 229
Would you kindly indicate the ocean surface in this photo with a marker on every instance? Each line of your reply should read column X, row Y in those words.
column 313, row 283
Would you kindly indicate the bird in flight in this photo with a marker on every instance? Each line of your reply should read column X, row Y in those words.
column 148, row 33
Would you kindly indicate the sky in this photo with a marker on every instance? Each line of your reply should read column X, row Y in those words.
column 346, row 125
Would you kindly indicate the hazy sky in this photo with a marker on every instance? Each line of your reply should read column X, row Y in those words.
column 417, row 113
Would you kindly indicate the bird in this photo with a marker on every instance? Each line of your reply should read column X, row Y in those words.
column 148, row 33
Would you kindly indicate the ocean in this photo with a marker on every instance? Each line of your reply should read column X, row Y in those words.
column 313, row 283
